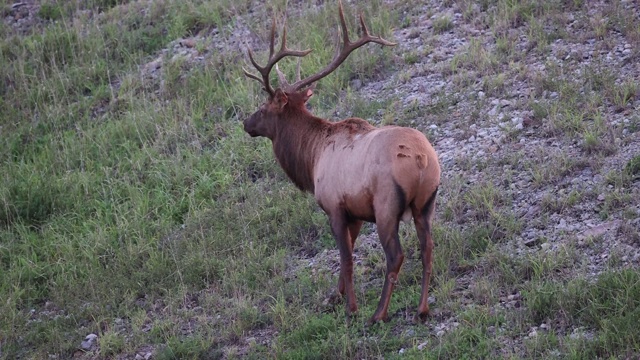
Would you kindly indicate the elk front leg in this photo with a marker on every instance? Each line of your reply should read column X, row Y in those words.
column 353, row 231
column 423, row 219
column 388, row 232
column 341, row 231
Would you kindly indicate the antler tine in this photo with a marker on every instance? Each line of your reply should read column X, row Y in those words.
column 347, row 48
column 363, row 26
column 375, row 39
column 248, row 74
column 343, row 25
column 273, row 58
column 283, row 80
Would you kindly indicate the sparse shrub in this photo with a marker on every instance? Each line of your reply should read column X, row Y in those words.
column 442, row 24
column 624, row 93
column 191, row 347
column 50, row 11
column 111, row 343
column 103, row 5
column 633, row 166
column 540, row 110
column 411, row 58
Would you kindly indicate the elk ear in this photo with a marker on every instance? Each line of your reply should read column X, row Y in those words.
column 308, row 93
column 280, row 98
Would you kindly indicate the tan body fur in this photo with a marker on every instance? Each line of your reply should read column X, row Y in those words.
column 357, row 170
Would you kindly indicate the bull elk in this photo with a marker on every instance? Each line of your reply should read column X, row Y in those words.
column 356, row 172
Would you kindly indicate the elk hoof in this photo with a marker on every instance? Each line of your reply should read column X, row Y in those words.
column 420, row 318
column 375, row 319
column 423, row 312
column 352, row 308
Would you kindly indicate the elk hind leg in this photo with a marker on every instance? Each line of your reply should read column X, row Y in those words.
column 388, row 232
column 423, row 219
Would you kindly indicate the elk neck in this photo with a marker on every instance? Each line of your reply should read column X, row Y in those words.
column 297, row 143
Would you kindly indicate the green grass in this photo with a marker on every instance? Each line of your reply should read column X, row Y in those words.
column 609, row 306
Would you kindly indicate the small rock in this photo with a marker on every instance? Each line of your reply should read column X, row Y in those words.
column 532, row 211
column 88, row 342
column 440, row 333
column 562, row 224
column 531, row 243
column 422, row 346
column 188, row 43
column 401, row 351
column 533, row 333
column 599, row 230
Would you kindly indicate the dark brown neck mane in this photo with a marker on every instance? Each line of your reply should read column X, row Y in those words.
column 299, row 138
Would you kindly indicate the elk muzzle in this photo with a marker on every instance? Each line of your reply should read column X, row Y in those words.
column 251, row 124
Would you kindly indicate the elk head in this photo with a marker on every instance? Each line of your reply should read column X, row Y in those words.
column 291, row 98
column 263, row 122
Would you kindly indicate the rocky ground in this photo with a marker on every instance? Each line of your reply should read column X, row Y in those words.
column 491, row 128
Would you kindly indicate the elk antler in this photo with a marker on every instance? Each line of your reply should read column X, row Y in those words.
column 283, row 79
column 273, row 59
column 347, row 48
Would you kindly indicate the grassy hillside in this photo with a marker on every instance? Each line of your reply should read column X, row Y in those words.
column 134, row 207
